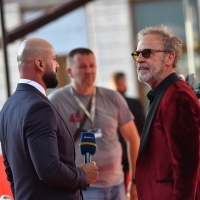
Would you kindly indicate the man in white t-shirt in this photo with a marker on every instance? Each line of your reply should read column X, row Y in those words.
column 104, row 111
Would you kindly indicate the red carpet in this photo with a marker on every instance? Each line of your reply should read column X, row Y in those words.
column 4, row 184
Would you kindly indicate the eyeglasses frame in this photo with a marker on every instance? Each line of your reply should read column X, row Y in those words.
column 151, row 50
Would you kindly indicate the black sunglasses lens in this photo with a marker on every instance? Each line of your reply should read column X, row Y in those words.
column 146, row 53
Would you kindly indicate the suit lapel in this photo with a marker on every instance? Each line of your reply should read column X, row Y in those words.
column 152, row 109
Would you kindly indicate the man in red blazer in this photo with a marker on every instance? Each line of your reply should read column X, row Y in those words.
column 169, row 154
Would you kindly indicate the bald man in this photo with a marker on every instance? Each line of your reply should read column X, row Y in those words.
column 37, row 147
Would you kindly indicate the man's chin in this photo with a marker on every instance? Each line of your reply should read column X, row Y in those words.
column 143, row 79
column 89, row 83
column 52, row 85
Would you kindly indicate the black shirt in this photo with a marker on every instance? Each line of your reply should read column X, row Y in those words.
column 153, row 93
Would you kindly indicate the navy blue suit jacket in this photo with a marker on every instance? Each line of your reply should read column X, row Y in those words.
column 38, row 149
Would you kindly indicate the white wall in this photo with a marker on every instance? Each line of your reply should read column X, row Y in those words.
column 110, row 36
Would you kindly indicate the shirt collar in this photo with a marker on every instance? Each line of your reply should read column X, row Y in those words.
column 34, row 84
column 153, row 93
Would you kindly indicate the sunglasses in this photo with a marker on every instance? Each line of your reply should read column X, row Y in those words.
column 146, row 53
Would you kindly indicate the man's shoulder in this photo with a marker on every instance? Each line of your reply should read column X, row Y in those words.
column 181, row 87
column 59, row 92
column 103, row 89
column 109, row 95
column 179, row 90
column 25, row 102
column 107, row 91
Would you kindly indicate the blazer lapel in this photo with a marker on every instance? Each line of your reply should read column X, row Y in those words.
column 152, row 110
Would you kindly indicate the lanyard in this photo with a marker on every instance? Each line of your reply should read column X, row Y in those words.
column 90, row 114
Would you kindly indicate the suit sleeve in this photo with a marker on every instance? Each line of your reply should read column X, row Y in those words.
column 182, row 129
column 51, row 151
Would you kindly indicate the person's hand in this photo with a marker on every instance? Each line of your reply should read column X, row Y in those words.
column 133, row 192
column 91, row 171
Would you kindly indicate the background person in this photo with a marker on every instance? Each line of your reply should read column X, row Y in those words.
column 37, row 146
column 119, row 83
column 106, row 112
column 168, row 160
column 134, row 104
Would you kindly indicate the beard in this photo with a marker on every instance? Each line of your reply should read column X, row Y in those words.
column 151, row 75
column 50, row 79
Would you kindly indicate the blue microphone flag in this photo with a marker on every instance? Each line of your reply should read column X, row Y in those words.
column 87, row 143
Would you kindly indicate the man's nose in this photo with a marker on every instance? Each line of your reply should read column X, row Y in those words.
column 140, row 58
column 58, row 66
column 88, row 69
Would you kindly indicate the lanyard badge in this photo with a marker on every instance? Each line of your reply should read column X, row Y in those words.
column 91, row 115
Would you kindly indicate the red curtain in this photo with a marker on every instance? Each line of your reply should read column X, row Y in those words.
column 4, row 184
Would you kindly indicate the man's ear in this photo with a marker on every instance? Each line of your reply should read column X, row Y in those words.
column 170, row 58
column 39, row 64
column 69, row 71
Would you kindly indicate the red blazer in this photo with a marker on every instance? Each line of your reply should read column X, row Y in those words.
column 168, row 166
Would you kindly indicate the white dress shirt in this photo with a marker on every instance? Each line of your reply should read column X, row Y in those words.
column 34, row 84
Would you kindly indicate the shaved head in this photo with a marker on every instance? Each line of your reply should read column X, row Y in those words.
column 32, row 49
column 37, row 62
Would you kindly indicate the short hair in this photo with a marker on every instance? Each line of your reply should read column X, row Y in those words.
column 171, row 42
column 80, row 50
column 117, row 76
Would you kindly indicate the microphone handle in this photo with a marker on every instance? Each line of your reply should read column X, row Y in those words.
column 88, row 157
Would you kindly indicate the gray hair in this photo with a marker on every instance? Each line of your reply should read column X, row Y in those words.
column 171, row 42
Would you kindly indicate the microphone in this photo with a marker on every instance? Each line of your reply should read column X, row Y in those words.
column 87, row 146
